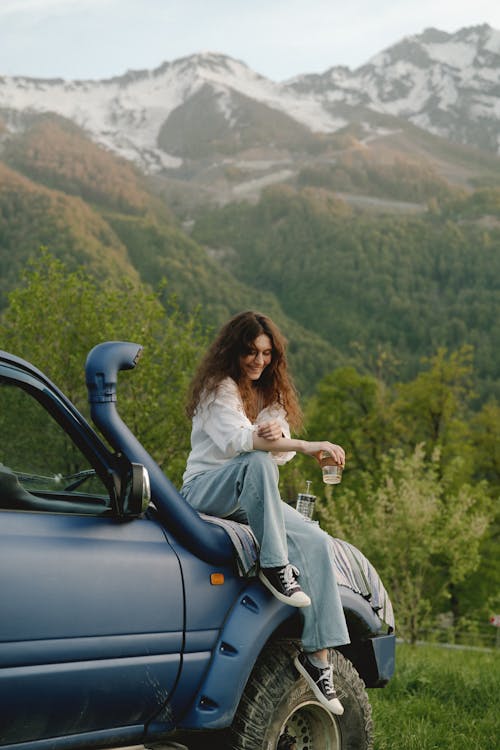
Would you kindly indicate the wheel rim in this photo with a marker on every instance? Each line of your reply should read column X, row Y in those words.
column 312, row 726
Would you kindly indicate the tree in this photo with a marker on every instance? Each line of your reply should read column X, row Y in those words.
column 353, row 410
column 55, row 317
column 420, row 533
column 486, row 441
column 434, row 409
column 480, row 592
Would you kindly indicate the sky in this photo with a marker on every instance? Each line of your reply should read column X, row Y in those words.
column 96, row 39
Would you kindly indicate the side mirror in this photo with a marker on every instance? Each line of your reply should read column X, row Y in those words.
column 137, row 492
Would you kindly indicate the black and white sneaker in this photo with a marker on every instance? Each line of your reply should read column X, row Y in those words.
column 282, row 582
column 321, row 683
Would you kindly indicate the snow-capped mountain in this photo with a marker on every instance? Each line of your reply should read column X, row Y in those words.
column 130, row 113
column 448, row 84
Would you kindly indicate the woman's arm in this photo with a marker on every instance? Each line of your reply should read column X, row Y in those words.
column 283, row 444
column 225, row 422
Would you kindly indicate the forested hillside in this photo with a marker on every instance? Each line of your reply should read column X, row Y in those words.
column 370, row 282
column 32, row 215
column 348, row 285
column 88, row 207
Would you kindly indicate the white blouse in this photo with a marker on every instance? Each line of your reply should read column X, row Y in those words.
column 221, row 430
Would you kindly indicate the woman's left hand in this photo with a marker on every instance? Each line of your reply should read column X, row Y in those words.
column 271, row 430
column 316, row 448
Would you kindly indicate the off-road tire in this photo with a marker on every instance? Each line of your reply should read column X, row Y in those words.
column 278, row 711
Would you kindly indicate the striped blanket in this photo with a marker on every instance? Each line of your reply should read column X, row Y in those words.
column 352, row 569
column 355, row 571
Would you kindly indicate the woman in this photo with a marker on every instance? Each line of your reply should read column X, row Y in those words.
column 242, row 404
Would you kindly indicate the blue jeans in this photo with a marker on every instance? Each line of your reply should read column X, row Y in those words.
column 245, row 489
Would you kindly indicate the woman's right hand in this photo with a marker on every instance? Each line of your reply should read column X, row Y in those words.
column 316, row 447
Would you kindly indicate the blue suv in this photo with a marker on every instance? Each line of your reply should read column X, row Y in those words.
column 125, row 617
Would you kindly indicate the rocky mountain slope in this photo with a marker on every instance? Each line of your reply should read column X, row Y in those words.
column 447, row 84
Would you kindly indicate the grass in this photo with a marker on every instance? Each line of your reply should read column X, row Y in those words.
column 439, row 699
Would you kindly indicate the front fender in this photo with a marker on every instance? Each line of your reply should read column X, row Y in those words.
column 252, row 620
column 372, row 649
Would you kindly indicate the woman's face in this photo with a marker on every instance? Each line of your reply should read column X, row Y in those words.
column 253, row 364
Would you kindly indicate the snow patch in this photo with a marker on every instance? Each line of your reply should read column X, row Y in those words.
column 459, row 55
column 493, row 43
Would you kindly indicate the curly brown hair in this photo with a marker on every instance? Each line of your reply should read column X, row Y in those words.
column 222, row 360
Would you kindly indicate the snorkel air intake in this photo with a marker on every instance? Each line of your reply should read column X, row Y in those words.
column 104, row 362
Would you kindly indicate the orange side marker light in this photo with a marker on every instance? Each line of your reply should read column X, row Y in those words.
column 217, row 579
